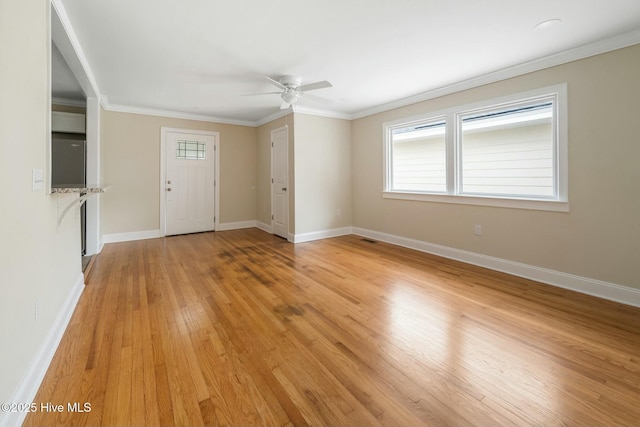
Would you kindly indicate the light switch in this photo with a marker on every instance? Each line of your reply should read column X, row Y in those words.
column 38, row 180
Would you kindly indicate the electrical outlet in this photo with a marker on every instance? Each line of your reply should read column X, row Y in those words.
column 477, row 230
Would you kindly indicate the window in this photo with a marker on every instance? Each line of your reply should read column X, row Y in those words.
column 509, row 152
column 191, row 150
column 419, row 157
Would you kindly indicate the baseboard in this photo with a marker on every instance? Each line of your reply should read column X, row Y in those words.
column 236, row 225
column 134, row 235
column 322, row 234
column 585, row 285
column 28, row 388
column 264, row 227
column 154, row 234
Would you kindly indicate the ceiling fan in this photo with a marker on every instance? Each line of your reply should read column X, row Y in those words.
column 292, row 89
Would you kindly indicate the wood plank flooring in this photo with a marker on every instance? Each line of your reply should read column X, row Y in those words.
column 243, row 328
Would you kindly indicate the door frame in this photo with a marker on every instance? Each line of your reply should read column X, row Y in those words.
column 284, row 128
column 163, row 173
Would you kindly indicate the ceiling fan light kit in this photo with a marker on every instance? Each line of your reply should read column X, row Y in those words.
column 290, row 96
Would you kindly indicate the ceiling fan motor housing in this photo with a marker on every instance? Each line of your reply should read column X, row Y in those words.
column 290, row 81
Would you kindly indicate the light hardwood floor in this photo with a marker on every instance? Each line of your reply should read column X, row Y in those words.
column 243, row 328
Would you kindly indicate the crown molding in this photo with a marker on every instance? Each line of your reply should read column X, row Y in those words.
column 172, row 114
column 104, row 101
column 273, row 116
column 120, row 108
column 603, row 46
column 321, row 113
column 297, row 109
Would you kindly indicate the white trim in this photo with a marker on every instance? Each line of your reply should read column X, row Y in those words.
column 284, row 129
column 264, row 227
column 155, row 234
column 603, row 46
column 585, row 285
column 71, row 49
column 540, row 205
column 236, row 225
column 271, row 117
column 216, row 184
column 322, row 234
column 321, row 113
column 93, row 175
column 173, row 114
column 104, row 101
column 32, row 379
column 163, row 173
column 130, row 236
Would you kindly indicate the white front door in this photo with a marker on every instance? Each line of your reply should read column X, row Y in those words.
column 189, row 182
column 280, row 182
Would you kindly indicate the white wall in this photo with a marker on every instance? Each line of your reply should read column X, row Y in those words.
column 322, row 153
column 39, row 261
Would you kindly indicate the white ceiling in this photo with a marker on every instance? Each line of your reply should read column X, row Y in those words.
column 64, row 84
column 201, row 56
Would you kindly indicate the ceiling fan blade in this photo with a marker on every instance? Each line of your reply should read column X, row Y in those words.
column 284, row 105
column 314, row 86
column 262, row 93
column 276, row 83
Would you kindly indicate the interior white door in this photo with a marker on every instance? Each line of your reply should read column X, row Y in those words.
column 189, row 183
column 280, row 182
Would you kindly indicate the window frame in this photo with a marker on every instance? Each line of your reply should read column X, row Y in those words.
column 453, row 141
column 430, row 120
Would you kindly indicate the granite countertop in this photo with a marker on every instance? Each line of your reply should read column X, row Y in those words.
column 70, row 189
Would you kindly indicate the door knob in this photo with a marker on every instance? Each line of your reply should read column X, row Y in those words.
column 169, row 189
column 284, row 188
column 169, row 182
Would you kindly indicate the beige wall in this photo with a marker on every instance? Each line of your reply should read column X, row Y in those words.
column 130, row 157
column 39, row 261
column 599, row 238
column 322, row 152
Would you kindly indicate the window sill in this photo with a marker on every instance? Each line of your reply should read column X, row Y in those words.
column 540, row 205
